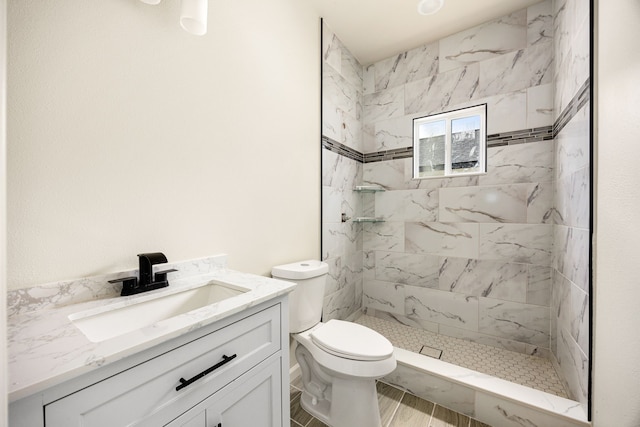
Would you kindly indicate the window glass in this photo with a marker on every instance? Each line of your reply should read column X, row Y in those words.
column 450, row 144
column 465, row 144
column 432, row 148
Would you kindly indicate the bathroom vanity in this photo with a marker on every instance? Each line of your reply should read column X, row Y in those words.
column 223, row 364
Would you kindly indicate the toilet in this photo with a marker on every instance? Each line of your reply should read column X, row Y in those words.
column 340, row 361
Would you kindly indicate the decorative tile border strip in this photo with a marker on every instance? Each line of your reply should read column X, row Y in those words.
column 522, row 136
column 579, row 100
column 379, row 156
column 342, row 149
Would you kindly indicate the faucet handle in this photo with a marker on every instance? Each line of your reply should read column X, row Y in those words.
column 161, row 276
column 129, row 284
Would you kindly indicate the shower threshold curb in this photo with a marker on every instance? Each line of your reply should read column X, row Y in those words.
column 486, row 398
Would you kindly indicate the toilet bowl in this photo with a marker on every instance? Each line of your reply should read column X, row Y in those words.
column 340, row 361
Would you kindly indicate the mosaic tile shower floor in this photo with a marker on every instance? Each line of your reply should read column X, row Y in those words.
column 530, row 371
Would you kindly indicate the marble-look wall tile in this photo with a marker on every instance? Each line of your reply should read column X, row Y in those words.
column 572, row 44
column 540, row 23
column 507, row 112
column 498, row 411
column 455, row 239
column 406, row 67
column 515, row 321
column 368, row 264
column 485, row 339
column 434, row 389
column 573, row 144
column 434, row 183
column 331, row 204
column 337, row 91
column 539, row 285
column 339, row 239
column 505, row 203
column 410, row 269
column 540, row 203
column 385, row 236
column 572, row 199
column 384, row 104
column 574, row 365
column 369, row 79
column 438, row 93
column 485, row 41
column 340, row 304
column 331, row 48
column 406, row 321
column 351, row 69
column 336, row 277
column 493, row 279
column 407, row 205
column 388, row 174
column 525, row 243
column 571, row 307
column 393, row 133
column 442, row 307
column 540, row 106
column 571, row 254
column 519, row 163
column 339, row 171
column 331, row 121
column 380, row 296
column 517, row 70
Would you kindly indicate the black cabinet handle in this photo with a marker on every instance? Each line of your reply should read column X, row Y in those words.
column 224, row 361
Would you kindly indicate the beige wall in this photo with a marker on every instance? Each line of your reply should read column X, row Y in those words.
column 616, row 398
column 126, row 134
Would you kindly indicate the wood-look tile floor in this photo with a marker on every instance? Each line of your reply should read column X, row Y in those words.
column 397, row 409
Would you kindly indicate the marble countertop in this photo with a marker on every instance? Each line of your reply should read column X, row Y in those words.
column 46, row 348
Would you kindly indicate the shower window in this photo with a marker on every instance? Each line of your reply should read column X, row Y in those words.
column 450, row 144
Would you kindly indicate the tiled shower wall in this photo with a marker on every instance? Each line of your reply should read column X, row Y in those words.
column 570, row 340
column 341, row 172
column 473, row 257
column 468, row 257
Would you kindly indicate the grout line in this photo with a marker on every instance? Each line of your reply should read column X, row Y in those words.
column 396, row 410
column 433, row 411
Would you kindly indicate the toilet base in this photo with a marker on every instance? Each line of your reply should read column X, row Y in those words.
column 336, row 400
column 354, row 403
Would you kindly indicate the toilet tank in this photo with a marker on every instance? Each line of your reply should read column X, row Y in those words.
column 305, row 302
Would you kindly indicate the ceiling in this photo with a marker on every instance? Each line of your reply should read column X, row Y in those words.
column 376, row 29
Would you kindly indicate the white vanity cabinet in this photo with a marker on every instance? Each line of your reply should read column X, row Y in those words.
column 231, row 373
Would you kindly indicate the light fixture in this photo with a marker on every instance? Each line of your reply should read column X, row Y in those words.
column 429, row 7
column 193, row 16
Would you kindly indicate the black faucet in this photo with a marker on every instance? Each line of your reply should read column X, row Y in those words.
column 132, row 286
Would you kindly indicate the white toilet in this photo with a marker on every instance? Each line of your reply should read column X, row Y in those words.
column 339, row 360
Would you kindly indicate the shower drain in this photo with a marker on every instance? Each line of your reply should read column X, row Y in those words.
column 431, row 352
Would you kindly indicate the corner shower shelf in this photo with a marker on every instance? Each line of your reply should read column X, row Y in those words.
column 367, row 219
column 368, row 188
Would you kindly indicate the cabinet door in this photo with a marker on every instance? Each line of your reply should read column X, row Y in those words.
column 255, row 400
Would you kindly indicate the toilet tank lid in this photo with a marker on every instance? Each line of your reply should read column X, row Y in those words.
column 300, row 270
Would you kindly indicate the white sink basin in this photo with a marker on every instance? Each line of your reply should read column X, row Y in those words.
column 118, row 319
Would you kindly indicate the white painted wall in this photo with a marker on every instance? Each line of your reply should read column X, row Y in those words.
column 616, row 397
column 126, row 134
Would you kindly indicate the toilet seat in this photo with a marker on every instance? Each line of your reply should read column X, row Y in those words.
column 351, row 341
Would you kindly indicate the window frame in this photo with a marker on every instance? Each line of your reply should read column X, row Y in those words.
column 448, row 117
